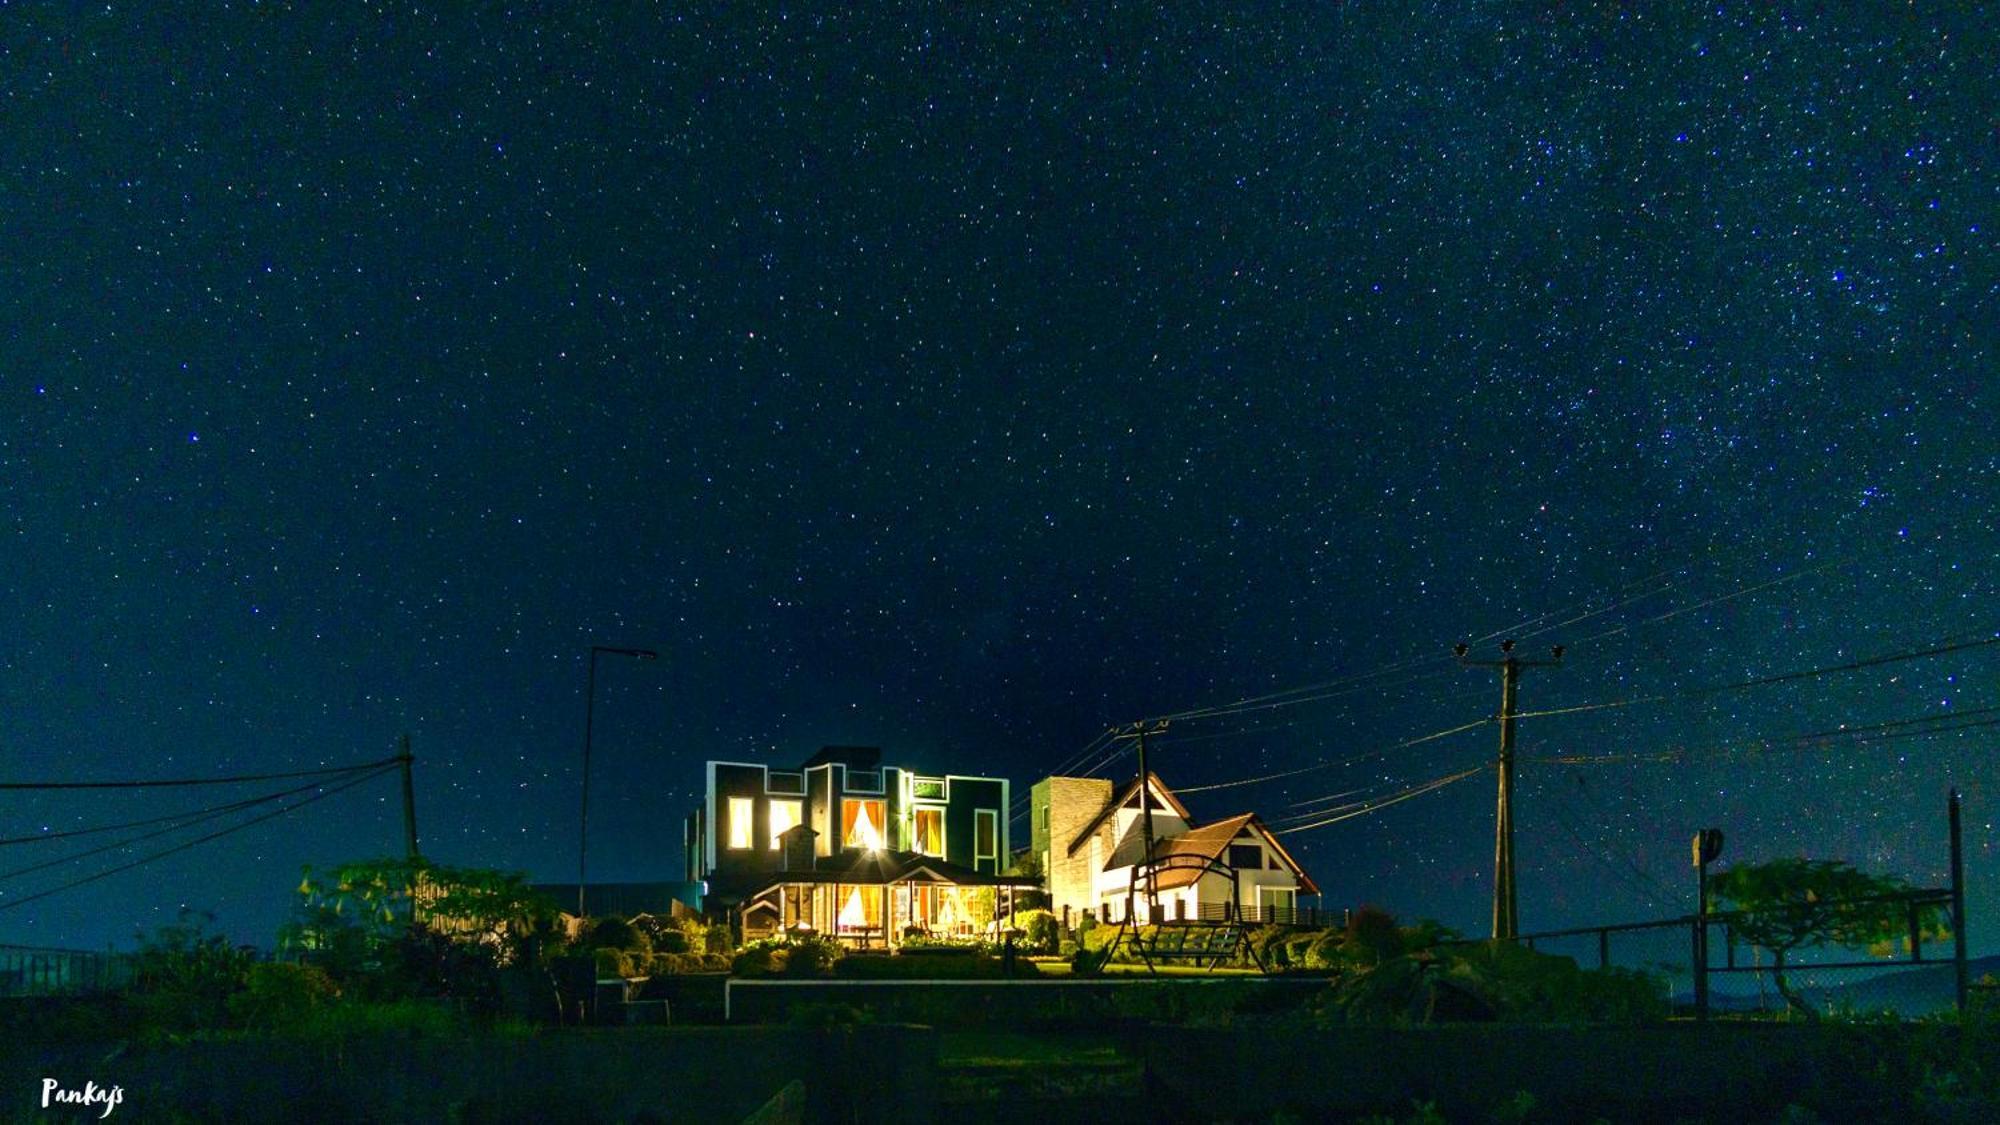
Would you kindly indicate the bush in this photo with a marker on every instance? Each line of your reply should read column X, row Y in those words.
column 762, row 958
column 805, row 955
column 671, row 942
column 617, row 963
column 183, row 977
column 279, row 996
column 938, row 947
column 813, row 956
column 425, row 963
column 672, row 964
column 1041, row 932
column 617, row 933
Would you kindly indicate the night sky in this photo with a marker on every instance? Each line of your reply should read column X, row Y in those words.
column 963, row 379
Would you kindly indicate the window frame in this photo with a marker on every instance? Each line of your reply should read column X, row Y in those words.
column 798, row 806
column 993, row 817
column 879, row 819
column 742, row 823
column 943, row 831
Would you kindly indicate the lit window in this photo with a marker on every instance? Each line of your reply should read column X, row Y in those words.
column 930, row 831
column 986, row 837
column 785, row 815
column 742, row 811
column 861, row 824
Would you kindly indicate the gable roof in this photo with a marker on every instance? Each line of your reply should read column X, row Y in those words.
column 1208, row 841
column 1118, row 802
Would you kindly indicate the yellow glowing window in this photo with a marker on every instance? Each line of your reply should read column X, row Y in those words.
column 785, row 816
column 742, row 813
column 985, row 836
column 929, row 825
column 861, row 824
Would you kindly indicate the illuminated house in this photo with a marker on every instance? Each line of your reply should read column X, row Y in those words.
column 1090, row 841
column 848, row 847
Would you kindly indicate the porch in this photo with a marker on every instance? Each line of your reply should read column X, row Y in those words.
column 882, row 899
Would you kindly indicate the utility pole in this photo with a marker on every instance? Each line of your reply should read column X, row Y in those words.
column 409, row 805
column 1959, row 981
column 1506, row 905
column 1138, row 732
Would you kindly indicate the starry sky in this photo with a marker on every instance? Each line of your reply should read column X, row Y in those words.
column 963, row 379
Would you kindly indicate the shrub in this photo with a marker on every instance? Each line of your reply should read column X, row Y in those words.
column 617, row 933
column 762, row 958
column 1041, row 933
column 1088, row 962
column 813, row 956
column 938, row 947
column 423, row 962
column 617, row 963
column 1370, row 937
column 672, row 941
column 803, row 955
column 280, row 996
column 183, row 977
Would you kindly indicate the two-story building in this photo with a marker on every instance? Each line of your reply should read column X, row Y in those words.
column 1090, row 840
column 848, row 847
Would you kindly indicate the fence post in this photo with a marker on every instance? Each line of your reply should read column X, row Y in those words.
column 1957, row 901
column 1604, row 949
column 1700, row 961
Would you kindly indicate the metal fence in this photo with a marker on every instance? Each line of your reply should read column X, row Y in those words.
column 29, row 971
column 1729, row 975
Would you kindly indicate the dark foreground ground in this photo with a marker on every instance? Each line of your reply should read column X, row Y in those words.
column 1246, row 1073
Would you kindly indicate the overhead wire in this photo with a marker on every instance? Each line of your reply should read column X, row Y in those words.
column 1888, row 731
column 185, row 814
column 187, row 844
column 187, row 820
column 1409, row 794
column 1941, row 649
column 154, row 784
column 1404, row 744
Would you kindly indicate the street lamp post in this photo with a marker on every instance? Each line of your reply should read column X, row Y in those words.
column 589, row 708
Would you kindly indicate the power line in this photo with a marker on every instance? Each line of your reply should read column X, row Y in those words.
column 181, row 847
column 21, row 785
column 1405, row 744
column 1732, row 596
column 200, row 816
column 1411, row 793
column 1889, row 731
column 185, row 815
column 1767, row 681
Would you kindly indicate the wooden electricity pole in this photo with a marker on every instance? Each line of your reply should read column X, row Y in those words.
column 409, row 804
column 1138, row 732
column 1506, row 903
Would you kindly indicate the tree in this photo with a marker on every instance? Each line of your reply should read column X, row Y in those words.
column 361, row 908
column 1792, row 904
